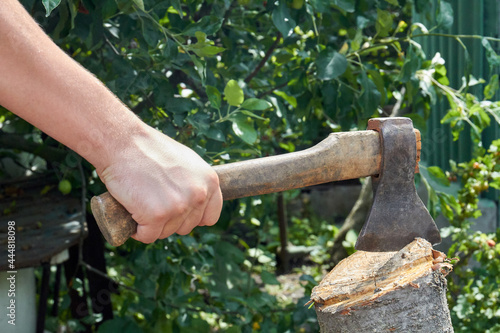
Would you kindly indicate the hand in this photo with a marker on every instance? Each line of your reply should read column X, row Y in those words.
column 166, row 186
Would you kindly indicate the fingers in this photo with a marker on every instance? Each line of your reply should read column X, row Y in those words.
column 182, row 218
column 212, row 212
column 166, row 186
column 146, row 233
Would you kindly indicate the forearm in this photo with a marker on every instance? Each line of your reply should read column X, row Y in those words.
column 43, row 85
column 166, row 186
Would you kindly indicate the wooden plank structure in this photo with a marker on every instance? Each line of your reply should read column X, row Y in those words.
column 403, row 291
column 46, row 221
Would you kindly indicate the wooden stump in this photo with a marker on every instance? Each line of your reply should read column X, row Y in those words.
column 402, row 291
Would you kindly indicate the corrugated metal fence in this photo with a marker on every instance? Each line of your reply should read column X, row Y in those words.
column 471, row 17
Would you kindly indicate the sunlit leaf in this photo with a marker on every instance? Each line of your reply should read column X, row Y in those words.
column 244, row 129
column 139, row 4
column 384, row 22
column 234, row 94
column 256, row 104
column 50, row 5
column 492, row 87
column 438, row 175
column 290, row 99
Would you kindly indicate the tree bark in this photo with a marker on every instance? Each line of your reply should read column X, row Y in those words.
column 402, row 291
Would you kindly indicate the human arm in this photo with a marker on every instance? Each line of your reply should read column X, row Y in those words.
column 166, row 186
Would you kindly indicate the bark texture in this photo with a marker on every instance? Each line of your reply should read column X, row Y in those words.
column 402, row 291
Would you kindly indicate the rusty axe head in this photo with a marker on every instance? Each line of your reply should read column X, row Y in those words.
column 398, row 215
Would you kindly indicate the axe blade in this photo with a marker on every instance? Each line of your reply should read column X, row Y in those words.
column 398, row 215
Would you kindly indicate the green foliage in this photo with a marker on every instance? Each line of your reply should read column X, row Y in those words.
column 474, row 284
column 241, row 79
column 473, row 288
column 50, row 5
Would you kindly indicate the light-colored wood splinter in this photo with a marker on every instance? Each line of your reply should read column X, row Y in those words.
column 403, row 291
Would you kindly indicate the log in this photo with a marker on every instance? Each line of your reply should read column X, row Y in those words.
column 403, row 291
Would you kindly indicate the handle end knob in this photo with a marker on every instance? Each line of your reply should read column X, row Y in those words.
column 114, row 221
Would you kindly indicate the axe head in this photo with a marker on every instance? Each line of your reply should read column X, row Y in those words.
column 398, row 215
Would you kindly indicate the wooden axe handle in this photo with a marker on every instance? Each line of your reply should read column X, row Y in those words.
column 341, row 156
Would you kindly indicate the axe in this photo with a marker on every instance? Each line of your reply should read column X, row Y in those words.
column 388, row 151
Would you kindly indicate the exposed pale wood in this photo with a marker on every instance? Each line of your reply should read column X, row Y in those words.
column 402, row 291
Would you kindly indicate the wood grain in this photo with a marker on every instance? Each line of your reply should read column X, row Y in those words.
column 402, row 291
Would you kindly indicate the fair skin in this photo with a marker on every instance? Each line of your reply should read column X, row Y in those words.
column 166, row 186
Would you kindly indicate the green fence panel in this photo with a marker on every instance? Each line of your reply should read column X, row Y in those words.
column 477, row 17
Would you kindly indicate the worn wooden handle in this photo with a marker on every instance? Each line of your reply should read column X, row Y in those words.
column 341, row 156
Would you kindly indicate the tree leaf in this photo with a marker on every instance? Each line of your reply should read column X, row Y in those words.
column 177, row 6
column 117, row 324
column 214, row 96
column 438, row 175
column 393, row 2
column 207, row 24
column 215, row 134
column 256, row 104
column 347, row 5
column 208, row 50
column 320, row 6
column 384, row 22
column 370, row 96
column 269, row 278
column 200, row 68
column 150, row 33
column 251, row 114
column 50, row 5
column 283, row 20
column 234, row 94
column 290, row 99
column 379, row 83
column 411, row 65
column 244, row 128
column 491, row 55
column 445, row 15
column 139, row 3
column 492, row 87
column 330, row 64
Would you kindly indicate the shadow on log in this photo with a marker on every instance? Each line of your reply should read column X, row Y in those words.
column 402, row 291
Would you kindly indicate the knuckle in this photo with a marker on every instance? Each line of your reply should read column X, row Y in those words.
column 179, row 208
column 199, row 195
column 213, row 180
column 158, row 214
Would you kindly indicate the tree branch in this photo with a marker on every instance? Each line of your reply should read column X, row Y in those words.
column 264, row 60
column 17, row 141
column 270, row 91
column 179, row 76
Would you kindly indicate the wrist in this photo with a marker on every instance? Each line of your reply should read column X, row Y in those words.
column 114, row 141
